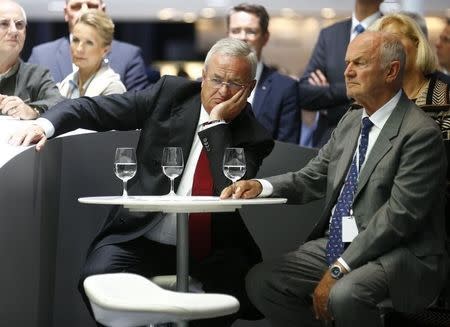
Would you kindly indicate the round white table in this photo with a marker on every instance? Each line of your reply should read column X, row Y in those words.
column 182, row 205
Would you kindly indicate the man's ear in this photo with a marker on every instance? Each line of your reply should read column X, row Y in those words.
column 266, row 38
column 393, row 71
column 203, row 76
column 66, row 16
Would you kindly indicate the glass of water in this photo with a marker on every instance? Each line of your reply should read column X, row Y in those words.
column 125, row 166
column 234, row 166
column 172, row 165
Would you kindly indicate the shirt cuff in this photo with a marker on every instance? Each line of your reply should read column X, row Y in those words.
column 211, row 123
column 46, row 125
column 344, row 264
column 267, row 188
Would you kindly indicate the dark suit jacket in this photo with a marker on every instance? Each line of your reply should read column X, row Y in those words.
column 125, row 59
column 399, row 203
column 329, row 57
column 168, row 113
column 275, row 105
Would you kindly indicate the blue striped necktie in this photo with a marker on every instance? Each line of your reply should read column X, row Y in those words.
column 335, row 246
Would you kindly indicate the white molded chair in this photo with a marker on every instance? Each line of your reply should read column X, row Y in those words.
column 169, row 282
column 130, row 300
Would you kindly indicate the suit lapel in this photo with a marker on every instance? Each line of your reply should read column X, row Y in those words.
column 183, row 120
column 64, row 58
column 347, row 154
column 383, row 143
column 262, row 89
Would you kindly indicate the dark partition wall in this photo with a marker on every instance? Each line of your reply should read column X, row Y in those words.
column 45, row 232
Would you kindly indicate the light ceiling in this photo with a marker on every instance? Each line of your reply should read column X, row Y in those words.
column 149, row 9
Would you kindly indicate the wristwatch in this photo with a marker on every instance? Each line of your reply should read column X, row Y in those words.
column 336, row 272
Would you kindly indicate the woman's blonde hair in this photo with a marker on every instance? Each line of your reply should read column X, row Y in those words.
column 101, row 22
column 426, row 59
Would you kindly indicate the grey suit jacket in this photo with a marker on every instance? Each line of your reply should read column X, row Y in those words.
column 399, row 203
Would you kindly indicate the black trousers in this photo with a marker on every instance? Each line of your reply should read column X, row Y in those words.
column 223, row 271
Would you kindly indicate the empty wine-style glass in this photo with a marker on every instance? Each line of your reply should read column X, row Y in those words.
column 234, row 166
column 172, row 165
column 125, row 166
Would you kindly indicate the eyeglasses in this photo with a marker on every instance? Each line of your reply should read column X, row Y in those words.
column 91, row 5
column 217, row 84
column 249, row 32
column 5, row 24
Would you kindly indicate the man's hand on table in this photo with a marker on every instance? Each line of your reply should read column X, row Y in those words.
column 242, row 190
column 33, row 134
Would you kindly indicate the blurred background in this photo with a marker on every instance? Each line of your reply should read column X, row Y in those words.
column 175, row 35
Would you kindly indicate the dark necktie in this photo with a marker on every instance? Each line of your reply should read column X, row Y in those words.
column 335, row 246
column 359, row 29
column 200, row 223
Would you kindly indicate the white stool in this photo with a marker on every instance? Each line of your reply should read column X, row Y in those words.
column 169, row 282
column 130, row 300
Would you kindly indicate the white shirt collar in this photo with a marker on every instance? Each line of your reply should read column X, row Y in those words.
column 366, row 22
column 259, row 69
column 380, row 116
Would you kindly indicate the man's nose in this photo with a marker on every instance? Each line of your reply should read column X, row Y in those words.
column 84, row 7
column 12, row 27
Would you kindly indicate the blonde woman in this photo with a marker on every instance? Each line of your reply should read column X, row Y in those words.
column 91, row 40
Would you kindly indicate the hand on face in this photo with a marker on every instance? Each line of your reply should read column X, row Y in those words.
column 15, row 107
column 232, row 107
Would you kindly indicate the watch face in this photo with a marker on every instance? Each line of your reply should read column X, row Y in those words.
column 336, row 272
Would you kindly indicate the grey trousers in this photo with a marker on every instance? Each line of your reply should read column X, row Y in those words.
column 282, row 290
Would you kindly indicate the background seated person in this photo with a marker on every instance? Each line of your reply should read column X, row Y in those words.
column 26, row 90
column 91, row 41
column 125, row 58
column 421, row 82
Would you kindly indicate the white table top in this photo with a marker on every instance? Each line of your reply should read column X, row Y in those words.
column 183, row 204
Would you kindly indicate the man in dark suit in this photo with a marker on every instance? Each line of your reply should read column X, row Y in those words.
column 202, row 118
column 382, row 234
column 124, row 58
column 322, row 87
column 274, row 100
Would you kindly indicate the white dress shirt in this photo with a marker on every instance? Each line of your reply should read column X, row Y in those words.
column 259, row 69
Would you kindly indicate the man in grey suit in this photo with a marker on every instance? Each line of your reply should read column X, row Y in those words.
column 26, row 90
column 124, row 58
column 382, row 232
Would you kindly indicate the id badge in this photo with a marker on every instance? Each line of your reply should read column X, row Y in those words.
column 349, row 228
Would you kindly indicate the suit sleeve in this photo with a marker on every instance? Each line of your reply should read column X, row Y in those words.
column 125, row 111
column 314, row 97
column 255, row 140
column 135, row 75
column 418, row 182
column 46, row 94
